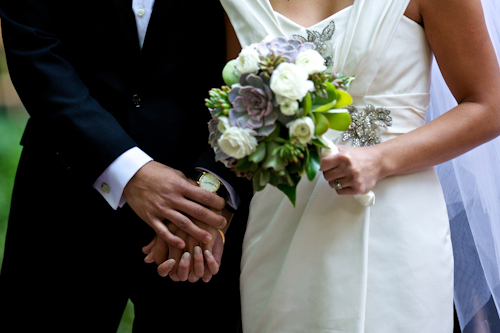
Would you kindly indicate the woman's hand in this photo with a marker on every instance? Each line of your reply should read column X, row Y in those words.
column 356, row 169
column 197, row 261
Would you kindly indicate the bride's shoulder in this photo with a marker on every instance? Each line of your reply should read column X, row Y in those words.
column 421, row 11
column 413, row 11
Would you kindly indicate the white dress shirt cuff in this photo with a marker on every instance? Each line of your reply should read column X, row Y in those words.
column 234, row 199
column 113, row 180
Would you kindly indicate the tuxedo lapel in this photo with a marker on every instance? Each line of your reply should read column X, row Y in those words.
column 157, row 25
column 127, row 21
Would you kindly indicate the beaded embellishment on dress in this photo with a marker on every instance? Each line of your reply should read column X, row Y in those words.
column 321, row 40
column 365, row 128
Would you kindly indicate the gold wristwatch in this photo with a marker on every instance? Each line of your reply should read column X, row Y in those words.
column 211, row 183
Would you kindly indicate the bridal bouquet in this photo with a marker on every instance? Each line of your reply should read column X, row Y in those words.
column 268, row 120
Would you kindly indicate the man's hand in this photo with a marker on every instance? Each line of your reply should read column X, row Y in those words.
column 158, row 192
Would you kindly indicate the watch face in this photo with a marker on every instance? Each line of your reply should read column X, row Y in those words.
column 209, row 182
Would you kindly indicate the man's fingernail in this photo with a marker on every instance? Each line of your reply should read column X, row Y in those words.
column 185, row 256
column 208, row 254
column 170, row 263
column 197, row 250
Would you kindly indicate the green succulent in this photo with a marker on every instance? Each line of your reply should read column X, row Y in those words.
column 291, row 151
column 320, row 87
column 268, row 64
column 218, row 100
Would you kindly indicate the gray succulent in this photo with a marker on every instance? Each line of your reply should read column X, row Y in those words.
column 287, row 48
column 253, row 105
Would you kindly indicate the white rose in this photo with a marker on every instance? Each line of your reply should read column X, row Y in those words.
column 291, row 81
column 247, row 61
column 223, row 124
column 311, row 61
column 288, row 106
column 237, row 142
column 302, row 128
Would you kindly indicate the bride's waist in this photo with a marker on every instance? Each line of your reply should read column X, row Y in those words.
column 417, row 101
column 406, row 112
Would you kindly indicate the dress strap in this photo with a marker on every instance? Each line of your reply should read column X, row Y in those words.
column 367, row 37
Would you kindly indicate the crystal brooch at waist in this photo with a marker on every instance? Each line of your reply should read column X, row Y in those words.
column 366, row 125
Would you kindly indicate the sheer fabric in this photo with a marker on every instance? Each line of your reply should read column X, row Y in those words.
column 472, row 191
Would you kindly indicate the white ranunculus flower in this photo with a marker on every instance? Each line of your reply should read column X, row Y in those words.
column 288, row 106
column 291, row 81
column 302, row 128
column 223, row 124
column 267, row 39
column 247, row 61
column 237, row 142
column 311, row 61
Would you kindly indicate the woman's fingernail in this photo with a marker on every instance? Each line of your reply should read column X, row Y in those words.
column 207, row 239
column 208, row 254
column 185, row 256
column 197, row 250
column 170, row 263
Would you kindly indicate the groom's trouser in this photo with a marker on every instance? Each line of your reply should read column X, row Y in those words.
column 71, row 263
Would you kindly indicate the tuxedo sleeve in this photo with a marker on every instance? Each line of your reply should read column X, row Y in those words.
column 74, row 124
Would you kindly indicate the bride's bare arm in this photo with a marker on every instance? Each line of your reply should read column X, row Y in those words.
column 458, row 36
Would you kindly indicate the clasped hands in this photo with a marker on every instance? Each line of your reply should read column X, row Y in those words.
column 186, row 219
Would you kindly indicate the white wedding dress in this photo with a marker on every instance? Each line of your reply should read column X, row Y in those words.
column 331, row 264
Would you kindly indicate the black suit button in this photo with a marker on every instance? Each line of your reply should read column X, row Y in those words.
column 136, row 100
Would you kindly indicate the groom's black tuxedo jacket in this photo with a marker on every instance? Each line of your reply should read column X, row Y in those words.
column 92, row 93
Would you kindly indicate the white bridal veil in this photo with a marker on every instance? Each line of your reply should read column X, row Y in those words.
column 471, row 186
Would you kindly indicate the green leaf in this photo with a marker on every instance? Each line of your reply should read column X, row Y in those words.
column 322, row 124
column 258, row 155
column 275, row 134
column 275, row 179
column 244, row 165
column 296, row 167
column 290, row 192
column 313, row 117
column 273, row 160
column 307, row 104
column 319, row 142
column 343, row 99
column 265, row 177
column 332, row 94
column 324, row 107
column 313, row 163
column 338, row 120
column 256, row 181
